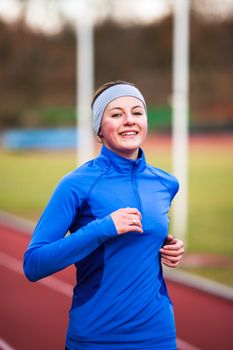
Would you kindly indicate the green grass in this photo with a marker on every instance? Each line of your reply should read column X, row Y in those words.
column 211, row 202
column 210, row 221
column 218, row 273
column 27, row 180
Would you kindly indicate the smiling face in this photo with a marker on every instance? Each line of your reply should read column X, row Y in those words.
column 124, row 126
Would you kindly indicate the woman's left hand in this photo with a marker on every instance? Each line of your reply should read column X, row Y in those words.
column 172, row 251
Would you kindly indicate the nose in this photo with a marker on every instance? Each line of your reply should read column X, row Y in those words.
column 129, row 119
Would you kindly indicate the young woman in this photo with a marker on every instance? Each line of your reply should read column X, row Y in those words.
column 116, row 210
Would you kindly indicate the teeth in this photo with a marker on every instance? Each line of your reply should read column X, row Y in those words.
column 128, row 133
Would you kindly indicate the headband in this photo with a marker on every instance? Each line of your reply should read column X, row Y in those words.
column 107, row 96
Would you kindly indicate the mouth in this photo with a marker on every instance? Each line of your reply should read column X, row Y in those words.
column 129, row 133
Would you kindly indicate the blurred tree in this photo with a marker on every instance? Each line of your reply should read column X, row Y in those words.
column 215, row 11
column 37, row 70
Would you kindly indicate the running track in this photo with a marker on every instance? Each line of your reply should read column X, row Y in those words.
column 34, row 316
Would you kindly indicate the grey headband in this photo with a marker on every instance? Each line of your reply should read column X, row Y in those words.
column 107, row 96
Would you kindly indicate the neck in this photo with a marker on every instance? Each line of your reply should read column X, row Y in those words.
column 129, row 154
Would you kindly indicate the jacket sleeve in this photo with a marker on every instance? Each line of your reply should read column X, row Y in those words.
column 168, row 180
column 173, row 186
column 50, row 250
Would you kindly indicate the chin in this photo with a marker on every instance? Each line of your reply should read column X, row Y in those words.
column 131, row 145
column 129, row 149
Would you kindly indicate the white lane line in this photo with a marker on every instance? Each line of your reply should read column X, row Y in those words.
column 200, row 283
column 26, row 226
column 63, row 288
column 51, row 282
column 17, row 223
column 183, row 345
column 4, row 345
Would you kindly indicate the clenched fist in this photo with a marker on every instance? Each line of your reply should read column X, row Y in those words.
column 172, row 251
column 126, row 220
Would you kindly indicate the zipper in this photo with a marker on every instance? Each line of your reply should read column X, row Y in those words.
column 135, row 189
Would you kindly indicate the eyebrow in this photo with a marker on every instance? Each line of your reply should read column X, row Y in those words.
column 123, row 108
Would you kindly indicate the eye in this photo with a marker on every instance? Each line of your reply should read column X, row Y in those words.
column 138, row 113
column 116, row 115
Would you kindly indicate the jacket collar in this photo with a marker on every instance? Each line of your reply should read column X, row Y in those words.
column 109, row 158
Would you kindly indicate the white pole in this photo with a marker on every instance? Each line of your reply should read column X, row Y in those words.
column 85, row 84
column 180, row 115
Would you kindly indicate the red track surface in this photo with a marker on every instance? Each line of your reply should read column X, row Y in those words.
column 34, row 316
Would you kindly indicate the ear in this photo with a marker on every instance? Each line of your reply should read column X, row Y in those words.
column 99, row 133
column 99, row 138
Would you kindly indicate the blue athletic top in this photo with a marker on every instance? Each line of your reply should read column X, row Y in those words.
column 120, row 301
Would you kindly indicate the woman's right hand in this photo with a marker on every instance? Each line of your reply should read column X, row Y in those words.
column 126, row 220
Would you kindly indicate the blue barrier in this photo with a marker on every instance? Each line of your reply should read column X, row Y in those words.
column 64, row 138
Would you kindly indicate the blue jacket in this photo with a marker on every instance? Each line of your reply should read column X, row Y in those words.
column 120, row 300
